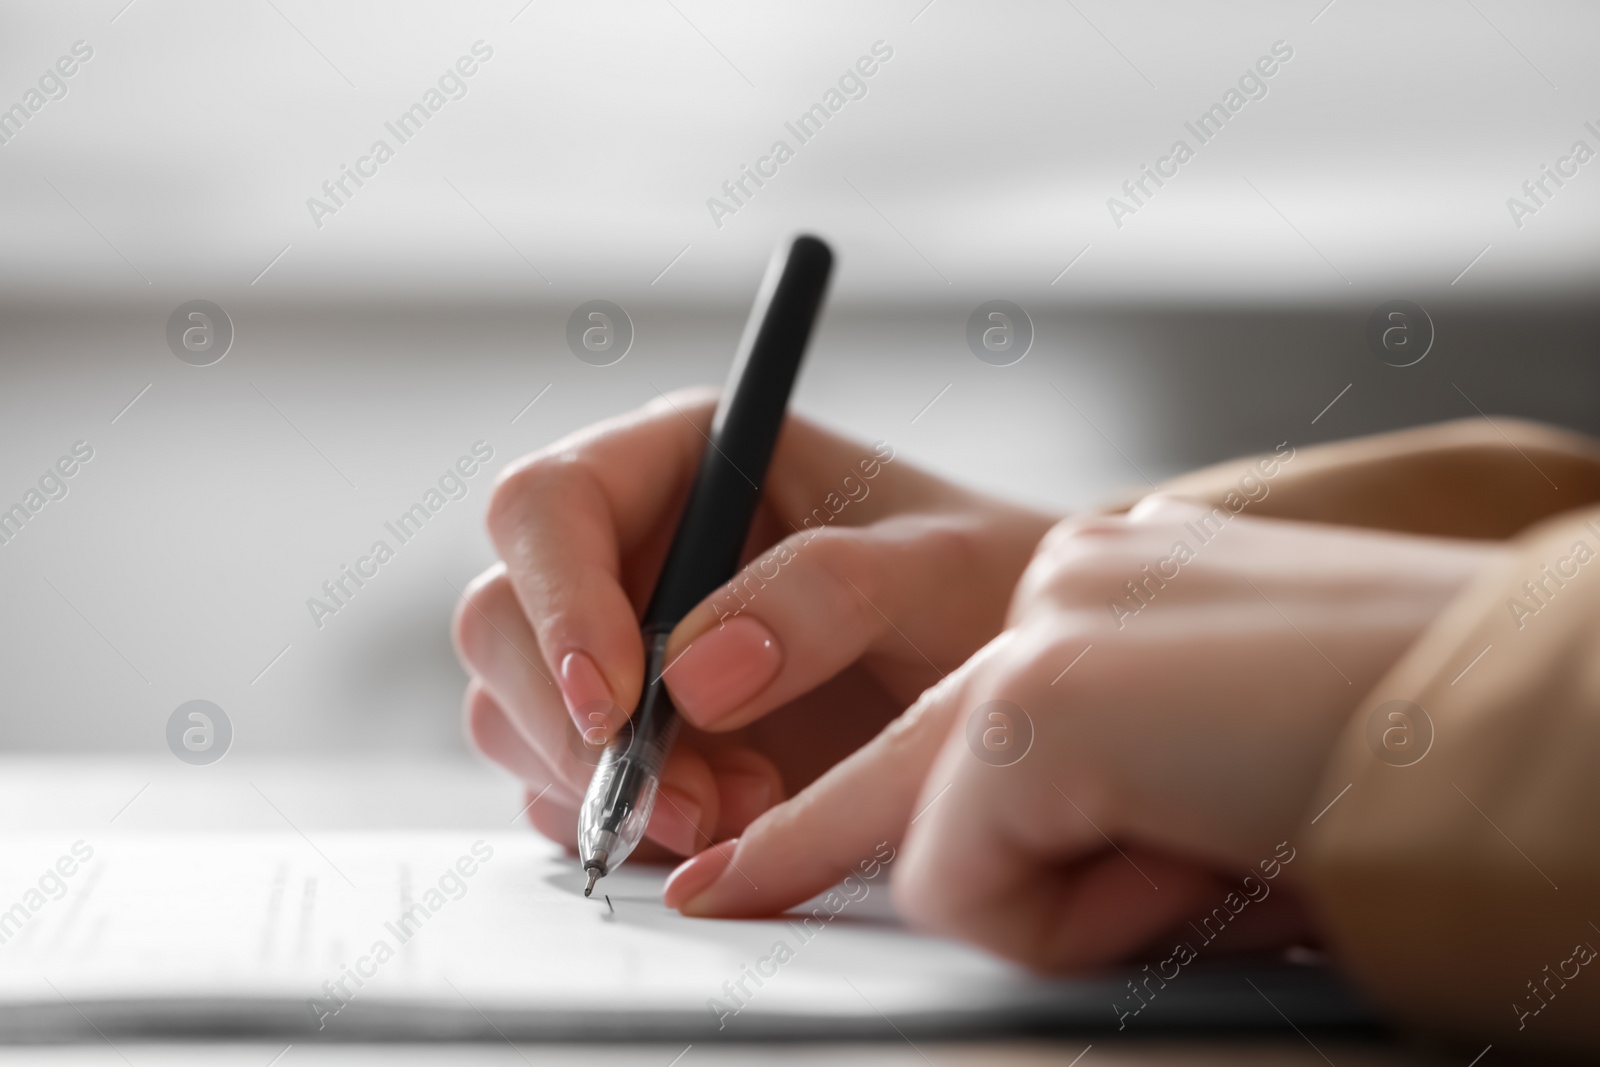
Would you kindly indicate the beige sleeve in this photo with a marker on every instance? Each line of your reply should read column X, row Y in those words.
column 1468, row 478
column 1463, row 889
column 1457, row 870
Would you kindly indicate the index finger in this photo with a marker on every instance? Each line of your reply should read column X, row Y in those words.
column 806, row 844
column 582, row 526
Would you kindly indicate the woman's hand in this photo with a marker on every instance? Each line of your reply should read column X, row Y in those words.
column 1181, row 700
column 866, row 580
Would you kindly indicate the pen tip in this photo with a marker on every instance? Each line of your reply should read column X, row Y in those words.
column 594, row 876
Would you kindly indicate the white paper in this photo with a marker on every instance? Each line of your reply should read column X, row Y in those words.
column 445, row 933
column 453, row 934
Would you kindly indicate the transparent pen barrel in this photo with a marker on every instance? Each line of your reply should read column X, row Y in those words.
column 617, row 807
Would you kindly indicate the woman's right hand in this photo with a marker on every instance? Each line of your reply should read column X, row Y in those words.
column 865, row 581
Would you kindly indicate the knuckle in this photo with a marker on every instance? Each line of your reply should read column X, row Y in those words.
column 482, row 719
column 530, row 484
column 512, row 492
column 855, row 577
column 512, row 487
column 1079, row 530
column 487, row 598
column 839, row 558
column 1061, row 677
column 1080, row 570
column 956, row 547
column 928, row 715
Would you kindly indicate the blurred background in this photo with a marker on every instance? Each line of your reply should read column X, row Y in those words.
column 381, row 330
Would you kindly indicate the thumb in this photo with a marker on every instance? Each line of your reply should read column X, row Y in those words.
column 817, row 602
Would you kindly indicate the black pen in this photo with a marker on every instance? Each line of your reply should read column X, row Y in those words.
column 706, row 547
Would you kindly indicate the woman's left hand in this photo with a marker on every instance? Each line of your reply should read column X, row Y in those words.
column 1182, row 673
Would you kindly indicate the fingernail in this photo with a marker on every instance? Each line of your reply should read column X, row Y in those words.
column 723, row 669
column 696, row 875
column 675, row 822
column 585, row 692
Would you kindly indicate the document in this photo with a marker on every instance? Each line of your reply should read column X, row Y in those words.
column 455, row 934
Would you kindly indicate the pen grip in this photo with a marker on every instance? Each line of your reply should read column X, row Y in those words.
column 651, row 729
column 716, row 518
